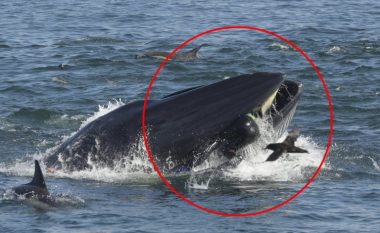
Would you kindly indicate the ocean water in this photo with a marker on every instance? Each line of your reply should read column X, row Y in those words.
column 97, row 41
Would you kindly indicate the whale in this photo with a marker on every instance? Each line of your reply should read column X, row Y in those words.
column 187, row 56
column 185, row 127
column 287, row 146
column 36, row 188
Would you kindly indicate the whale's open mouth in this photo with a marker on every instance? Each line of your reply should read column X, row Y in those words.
column 280, row 106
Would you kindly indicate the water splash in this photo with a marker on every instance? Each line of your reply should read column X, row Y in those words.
column 195, row 182
column 334, row 49
column 291, row 167
column 136, row 167
column 103, row 110
column 375, row 164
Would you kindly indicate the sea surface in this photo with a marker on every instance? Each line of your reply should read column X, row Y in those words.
column 97, row 42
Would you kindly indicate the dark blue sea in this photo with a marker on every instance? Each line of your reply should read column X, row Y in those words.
column 97, row 42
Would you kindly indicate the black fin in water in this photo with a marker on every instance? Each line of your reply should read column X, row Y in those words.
column 278, row 150
column 274, row 146
column 38, row 178
column 295, row 149
column 275, row 155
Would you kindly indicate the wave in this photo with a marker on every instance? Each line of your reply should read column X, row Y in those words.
column 19, row 89
column 48, row 68
column 40, row 116
column 351, row 49
column 4, row 46
column 99, row 61
column 37, row 114
column 99, row 39
column 88, row 40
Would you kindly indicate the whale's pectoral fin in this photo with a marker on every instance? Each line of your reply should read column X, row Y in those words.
column 295, row 149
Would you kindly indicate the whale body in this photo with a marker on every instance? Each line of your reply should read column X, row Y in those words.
column 184, row 127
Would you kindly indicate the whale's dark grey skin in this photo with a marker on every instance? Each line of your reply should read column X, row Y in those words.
column 184, row 127
column 287, row 146
column 36, row 188
column 187, row 56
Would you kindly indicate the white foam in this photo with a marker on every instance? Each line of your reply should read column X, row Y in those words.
column 65, row 119
column 375, row 164
column 102, row 110
column 287, row 168
column 6, row 126
column 334, row 49
column 135, row 168
column 59, row 80
column 114, row 175
column 195, row 183
column 280, row 46
column 21, row 167
column 254, row 168
column 74, row 117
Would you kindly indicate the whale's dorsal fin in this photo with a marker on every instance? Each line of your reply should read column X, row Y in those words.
column 38, row 178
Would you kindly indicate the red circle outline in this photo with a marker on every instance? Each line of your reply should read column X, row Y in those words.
column 239, row 27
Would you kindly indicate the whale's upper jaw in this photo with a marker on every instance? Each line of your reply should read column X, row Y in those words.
column 207, row 109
